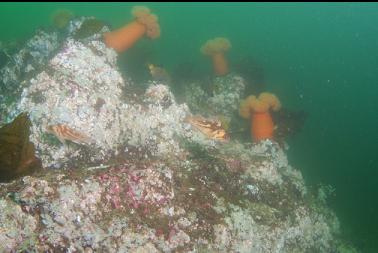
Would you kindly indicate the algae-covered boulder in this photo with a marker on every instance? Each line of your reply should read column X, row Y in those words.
column 232, row 198
column 68, row 92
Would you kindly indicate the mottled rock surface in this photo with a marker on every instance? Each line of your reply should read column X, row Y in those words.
column 247, row 200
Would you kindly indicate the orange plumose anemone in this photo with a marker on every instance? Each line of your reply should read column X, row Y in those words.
column 257, row 109
column 144, row 23
column 216, row 48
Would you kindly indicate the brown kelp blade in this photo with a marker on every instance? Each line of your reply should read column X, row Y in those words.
column 17, row 153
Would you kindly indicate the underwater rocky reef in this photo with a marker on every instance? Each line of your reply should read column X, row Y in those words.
column 131, row 174
column 231, row 198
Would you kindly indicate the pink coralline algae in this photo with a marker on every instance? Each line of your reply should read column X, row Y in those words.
column 135, row 187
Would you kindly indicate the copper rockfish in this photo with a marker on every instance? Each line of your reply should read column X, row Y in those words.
column 63, row 133
column 213, row 129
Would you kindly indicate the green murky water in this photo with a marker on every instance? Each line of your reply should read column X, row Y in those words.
column 321, row 58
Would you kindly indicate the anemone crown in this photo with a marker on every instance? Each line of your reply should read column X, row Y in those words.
column 143, row 15
column 263, row 103
column 216, row 45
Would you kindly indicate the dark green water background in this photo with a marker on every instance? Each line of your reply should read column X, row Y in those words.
column 319, row 57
